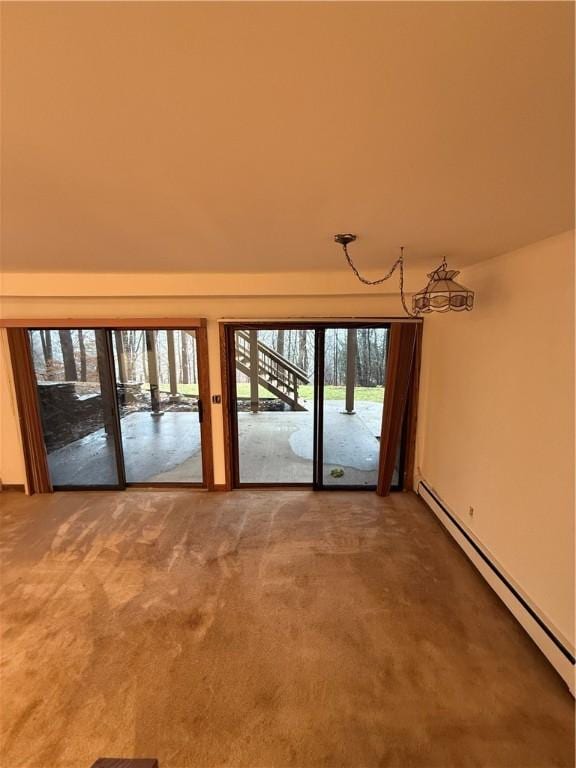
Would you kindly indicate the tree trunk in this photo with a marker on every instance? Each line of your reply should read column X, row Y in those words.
column 153, row 371
column 68, row 355
column 360, row 360
column 130, row 341
column 83, row 371
column 144, row 356
column 194, row 362
column 370, row 371
column 172, row 363
column 120, row 355
column 302, row 363
column 280, row 342
column 185, row 365
column 46, row 339
column 43, row 342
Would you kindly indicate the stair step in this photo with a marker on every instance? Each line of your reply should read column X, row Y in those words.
column 275, row 373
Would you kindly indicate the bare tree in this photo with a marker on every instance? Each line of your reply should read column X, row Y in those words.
column 280, row 341
column 194, row 365
column 302, row 350
column 67, row 346
column 46, row 340
column 82, row 349
column 184, row 357
column 141, row 346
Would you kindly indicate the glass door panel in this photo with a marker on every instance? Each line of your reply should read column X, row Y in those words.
column 159, row 405
column 77, row 407
column 351, row 405
column 274, row 405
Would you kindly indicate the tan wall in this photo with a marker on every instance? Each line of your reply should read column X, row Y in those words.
column 496, row 423
column 216, row 297
column 11, row 458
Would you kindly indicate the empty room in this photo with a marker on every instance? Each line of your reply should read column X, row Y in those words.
column 287, row 384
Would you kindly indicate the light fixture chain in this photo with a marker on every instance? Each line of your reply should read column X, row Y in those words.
column 402, row 296
column 365, row 279
column 398, row 263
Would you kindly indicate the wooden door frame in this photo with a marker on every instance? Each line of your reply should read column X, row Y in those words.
column 227, row 368
column 398, row 419
column 111, row 323
column 411, row 418
column 35, row 457
column 29, row 422
column 205, row 398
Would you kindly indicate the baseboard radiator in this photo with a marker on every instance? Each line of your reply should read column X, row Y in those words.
column 555, row 648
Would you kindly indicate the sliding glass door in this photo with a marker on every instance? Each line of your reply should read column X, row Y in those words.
column 273, row 403
column 77, row 404
column 351, row 377
column 307, row 404
column 159, row 405
column 119, row 407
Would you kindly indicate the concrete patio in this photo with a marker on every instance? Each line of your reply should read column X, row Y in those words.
column 156, row 449
column 275, row 447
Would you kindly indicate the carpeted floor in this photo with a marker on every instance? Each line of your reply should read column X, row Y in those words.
column 259, row 630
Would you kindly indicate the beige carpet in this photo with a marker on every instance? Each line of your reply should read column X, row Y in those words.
column 259, row 630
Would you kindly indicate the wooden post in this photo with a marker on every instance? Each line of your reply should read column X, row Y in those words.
column 172, row 364
column 35, row 458
column 351, row 347
column 153, row 371
column 254, row 398
column 295, row 388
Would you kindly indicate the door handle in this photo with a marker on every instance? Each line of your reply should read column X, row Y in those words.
column 200, row 411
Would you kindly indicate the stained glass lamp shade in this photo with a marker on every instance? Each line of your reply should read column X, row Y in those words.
column 443, row 294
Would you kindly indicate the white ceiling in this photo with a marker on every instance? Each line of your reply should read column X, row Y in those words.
column 239, row 137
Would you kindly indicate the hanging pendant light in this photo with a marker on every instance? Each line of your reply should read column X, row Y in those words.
column 443, row 293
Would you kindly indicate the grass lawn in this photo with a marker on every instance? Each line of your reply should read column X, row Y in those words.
column 374, row 394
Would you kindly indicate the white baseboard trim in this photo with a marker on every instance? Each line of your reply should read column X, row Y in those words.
column 556, row 649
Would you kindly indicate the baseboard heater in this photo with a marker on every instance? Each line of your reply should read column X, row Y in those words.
column 555, row 649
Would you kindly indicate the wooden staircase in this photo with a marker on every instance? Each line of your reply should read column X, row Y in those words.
column 275, row 373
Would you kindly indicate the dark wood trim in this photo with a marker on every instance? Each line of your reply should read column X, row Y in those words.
column 204, row 392
column 35, row 458
column 233, row 409
column 412, row 415
column 165, row 486
column 13, row 487
column 131, row 323
column 398, row 371
column 221, row 487
column 311, row 325
column 318, row 420
column 108, row 392
column 120, row 762
column 284, row 486
column 226, row 409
